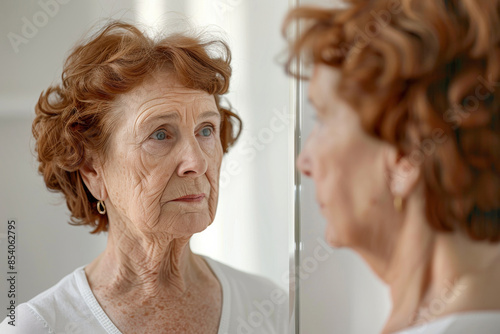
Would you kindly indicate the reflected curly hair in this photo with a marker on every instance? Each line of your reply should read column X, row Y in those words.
column 427, row 71
column 75, row 117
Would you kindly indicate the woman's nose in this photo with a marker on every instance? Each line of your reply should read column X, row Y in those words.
column 304, row 162
column 192, row 160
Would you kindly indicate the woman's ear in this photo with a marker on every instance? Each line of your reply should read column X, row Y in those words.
column 403, row 174
column 92, row 175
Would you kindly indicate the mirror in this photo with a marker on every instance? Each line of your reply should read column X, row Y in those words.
column 357, row 302
column 405, row 174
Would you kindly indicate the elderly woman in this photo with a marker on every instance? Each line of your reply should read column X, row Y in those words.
column 405, row 154
column 133, row 138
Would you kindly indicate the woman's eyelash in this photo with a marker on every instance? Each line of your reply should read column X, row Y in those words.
column 208, row 126
column 160, row 134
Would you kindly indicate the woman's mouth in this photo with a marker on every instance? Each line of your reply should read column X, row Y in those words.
column 190, row 198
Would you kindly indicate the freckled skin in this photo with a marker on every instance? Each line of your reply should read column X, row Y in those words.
column 165, row 145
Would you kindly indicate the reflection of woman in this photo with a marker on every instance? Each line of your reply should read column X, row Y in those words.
column 134, row 139
column 405, row 152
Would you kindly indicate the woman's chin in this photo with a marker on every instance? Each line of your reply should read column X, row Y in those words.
column 334, row 236
column 332, row 240
column 187, row 226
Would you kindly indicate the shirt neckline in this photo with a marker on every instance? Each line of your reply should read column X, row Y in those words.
column 92, row 303
column 226, row 294
column 109, row 326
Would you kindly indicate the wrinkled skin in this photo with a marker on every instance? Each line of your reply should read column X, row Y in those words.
column 165, row 145
column 356, row 178
column 143, row 174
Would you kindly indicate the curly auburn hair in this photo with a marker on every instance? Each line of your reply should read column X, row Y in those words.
column 422, row 67
column 75, row 118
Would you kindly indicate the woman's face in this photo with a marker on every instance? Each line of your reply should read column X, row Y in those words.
column 161, row 172
column 348, row 169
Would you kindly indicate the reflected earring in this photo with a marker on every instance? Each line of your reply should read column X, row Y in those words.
column 101, row 207
column 398, row 203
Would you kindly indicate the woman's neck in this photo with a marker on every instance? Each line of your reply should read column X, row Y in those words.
column 432, row 274
column 147, row 265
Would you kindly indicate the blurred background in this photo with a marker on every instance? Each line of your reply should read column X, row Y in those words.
column 255, row 213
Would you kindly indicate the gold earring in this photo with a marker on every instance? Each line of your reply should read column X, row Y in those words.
column 398, row 203
column 101, row 207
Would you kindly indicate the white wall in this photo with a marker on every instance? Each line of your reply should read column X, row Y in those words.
column 251, row 230
column 338, row 292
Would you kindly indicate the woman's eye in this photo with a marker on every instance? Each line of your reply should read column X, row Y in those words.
column 207, row 131
column 159, row 135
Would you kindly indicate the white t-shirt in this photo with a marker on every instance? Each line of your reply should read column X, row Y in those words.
column 460, row 323
column 250, row 304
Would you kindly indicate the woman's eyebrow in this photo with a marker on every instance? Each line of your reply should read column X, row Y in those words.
column 143, row 121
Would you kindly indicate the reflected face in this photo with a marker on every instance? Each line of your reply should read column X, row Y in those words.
column 346, row 166
column 162, row 169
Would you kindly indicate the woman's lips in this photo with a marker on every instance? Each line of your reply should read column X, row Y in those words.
column 190, row 198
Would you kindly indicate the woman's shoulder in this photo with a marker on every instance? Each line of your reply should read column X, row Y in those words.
column 66, row 285
column 252, row 303
column 61, row 297
column 61, row 308
column 484, row 322
column 241, row 279
column 23, row 320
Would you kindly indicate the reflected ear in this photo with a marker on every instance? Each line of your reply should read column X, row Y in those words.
column 403, row 174
column 92, row 175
